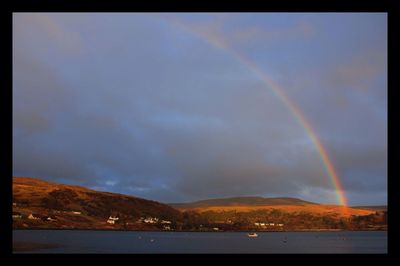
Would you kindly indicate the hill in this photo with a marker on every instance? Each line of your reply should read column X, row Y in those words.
column 46, row 205
column 372, row 208
column 284, row 204
column 78, row 207
column 242, row 201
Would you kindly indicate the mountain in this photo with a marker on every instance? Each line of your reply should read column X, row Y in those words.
column 79, row 207
column 372, row 208
column 283, row 204
column 242, row 201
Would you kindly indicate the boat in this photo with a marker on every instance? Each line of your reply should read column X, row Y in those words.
column 252, row 235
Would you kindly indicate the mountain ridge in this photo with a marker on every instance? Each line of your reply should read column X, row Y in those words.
column 244, row 201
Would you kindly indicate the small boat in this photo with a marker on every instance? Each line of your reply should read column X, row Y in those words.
column 252, row 235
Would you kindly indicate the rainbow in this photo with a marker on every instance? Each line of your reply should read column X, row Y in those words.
column 280, row 93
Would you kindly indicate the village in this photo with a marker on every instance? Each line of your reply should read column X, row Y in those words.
column 112, row 220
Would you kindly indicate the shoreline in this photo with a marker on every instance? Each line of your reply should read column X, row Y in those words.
column 188, row 231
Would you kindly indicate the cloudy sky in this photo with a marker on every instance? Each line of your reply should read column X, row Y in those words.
column 167, row 107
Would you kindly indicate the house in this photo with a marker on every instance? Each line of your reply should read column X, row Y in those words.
column 166, row 227
column 14, row 204
column 33, row 216
column 112, row 219
column 272, row 224
column 16, row 215
column 215, row 228
column 257, row 224
column 76, row 212
column 165, row 222
column 151, row 220
column 279, row 224
column 50, row 219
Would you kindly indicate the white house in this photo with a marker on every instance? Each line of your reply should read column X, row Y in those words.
column 165, row 222
column 33, row 217
column 76, row 212
column 50, row 219
column 279, row 224
column 16, row 215
column 151, row 220
column 112, row 219
column 272, row 224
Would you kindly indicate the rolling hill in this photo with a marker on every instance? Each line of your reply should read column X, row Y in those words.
column 47, row 205
column 242, row 201
column 285, row 204
column 79, row 207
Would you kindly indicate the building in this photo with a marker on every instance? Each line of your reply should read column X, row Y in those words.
column 16, row 215
column 112, row 219
column 33, row 217
column 165, row 222
column 151, row 220
column 76, row 212
column 50, row 219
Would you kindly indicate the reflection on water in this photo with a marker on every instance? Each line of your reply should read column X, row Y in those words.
column 81, row 241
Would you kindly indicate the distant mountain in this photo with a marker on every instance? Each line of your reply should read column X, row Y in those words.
column 372, row 208
column 242, row 201
column 79, row 207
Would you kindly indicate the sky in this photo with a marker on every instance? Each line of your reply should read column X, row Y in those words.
column 174, row 107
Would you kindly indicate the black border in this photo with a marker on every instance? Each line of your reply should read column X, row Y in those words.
column 387, row 6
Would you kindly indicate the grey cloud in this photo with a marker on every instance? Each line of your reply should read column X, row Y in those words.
column 190, row 123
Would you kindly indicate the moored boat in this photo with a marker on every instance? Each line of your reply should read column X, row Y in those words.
column 252, row 235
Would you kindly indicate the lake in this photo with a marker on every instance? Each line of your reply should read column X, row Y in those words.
column 81, row 241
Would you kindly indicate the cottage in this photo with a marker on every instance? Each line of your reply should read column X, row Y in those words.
column 151, row 220
column 33, row 216
column 112, row 219
column 16, row 215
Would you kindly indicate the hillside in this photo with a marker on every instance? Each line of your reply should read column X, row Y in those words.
column 46, row 205
column 289, row 205
column 242, row 201
column 79, row 207
column 372, row 208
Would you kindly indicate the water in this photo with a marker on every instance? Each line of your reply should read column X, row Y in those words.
column 218, row 242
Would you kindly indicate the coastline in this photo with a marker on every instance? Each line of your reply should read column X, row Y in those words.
column 189, row 231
